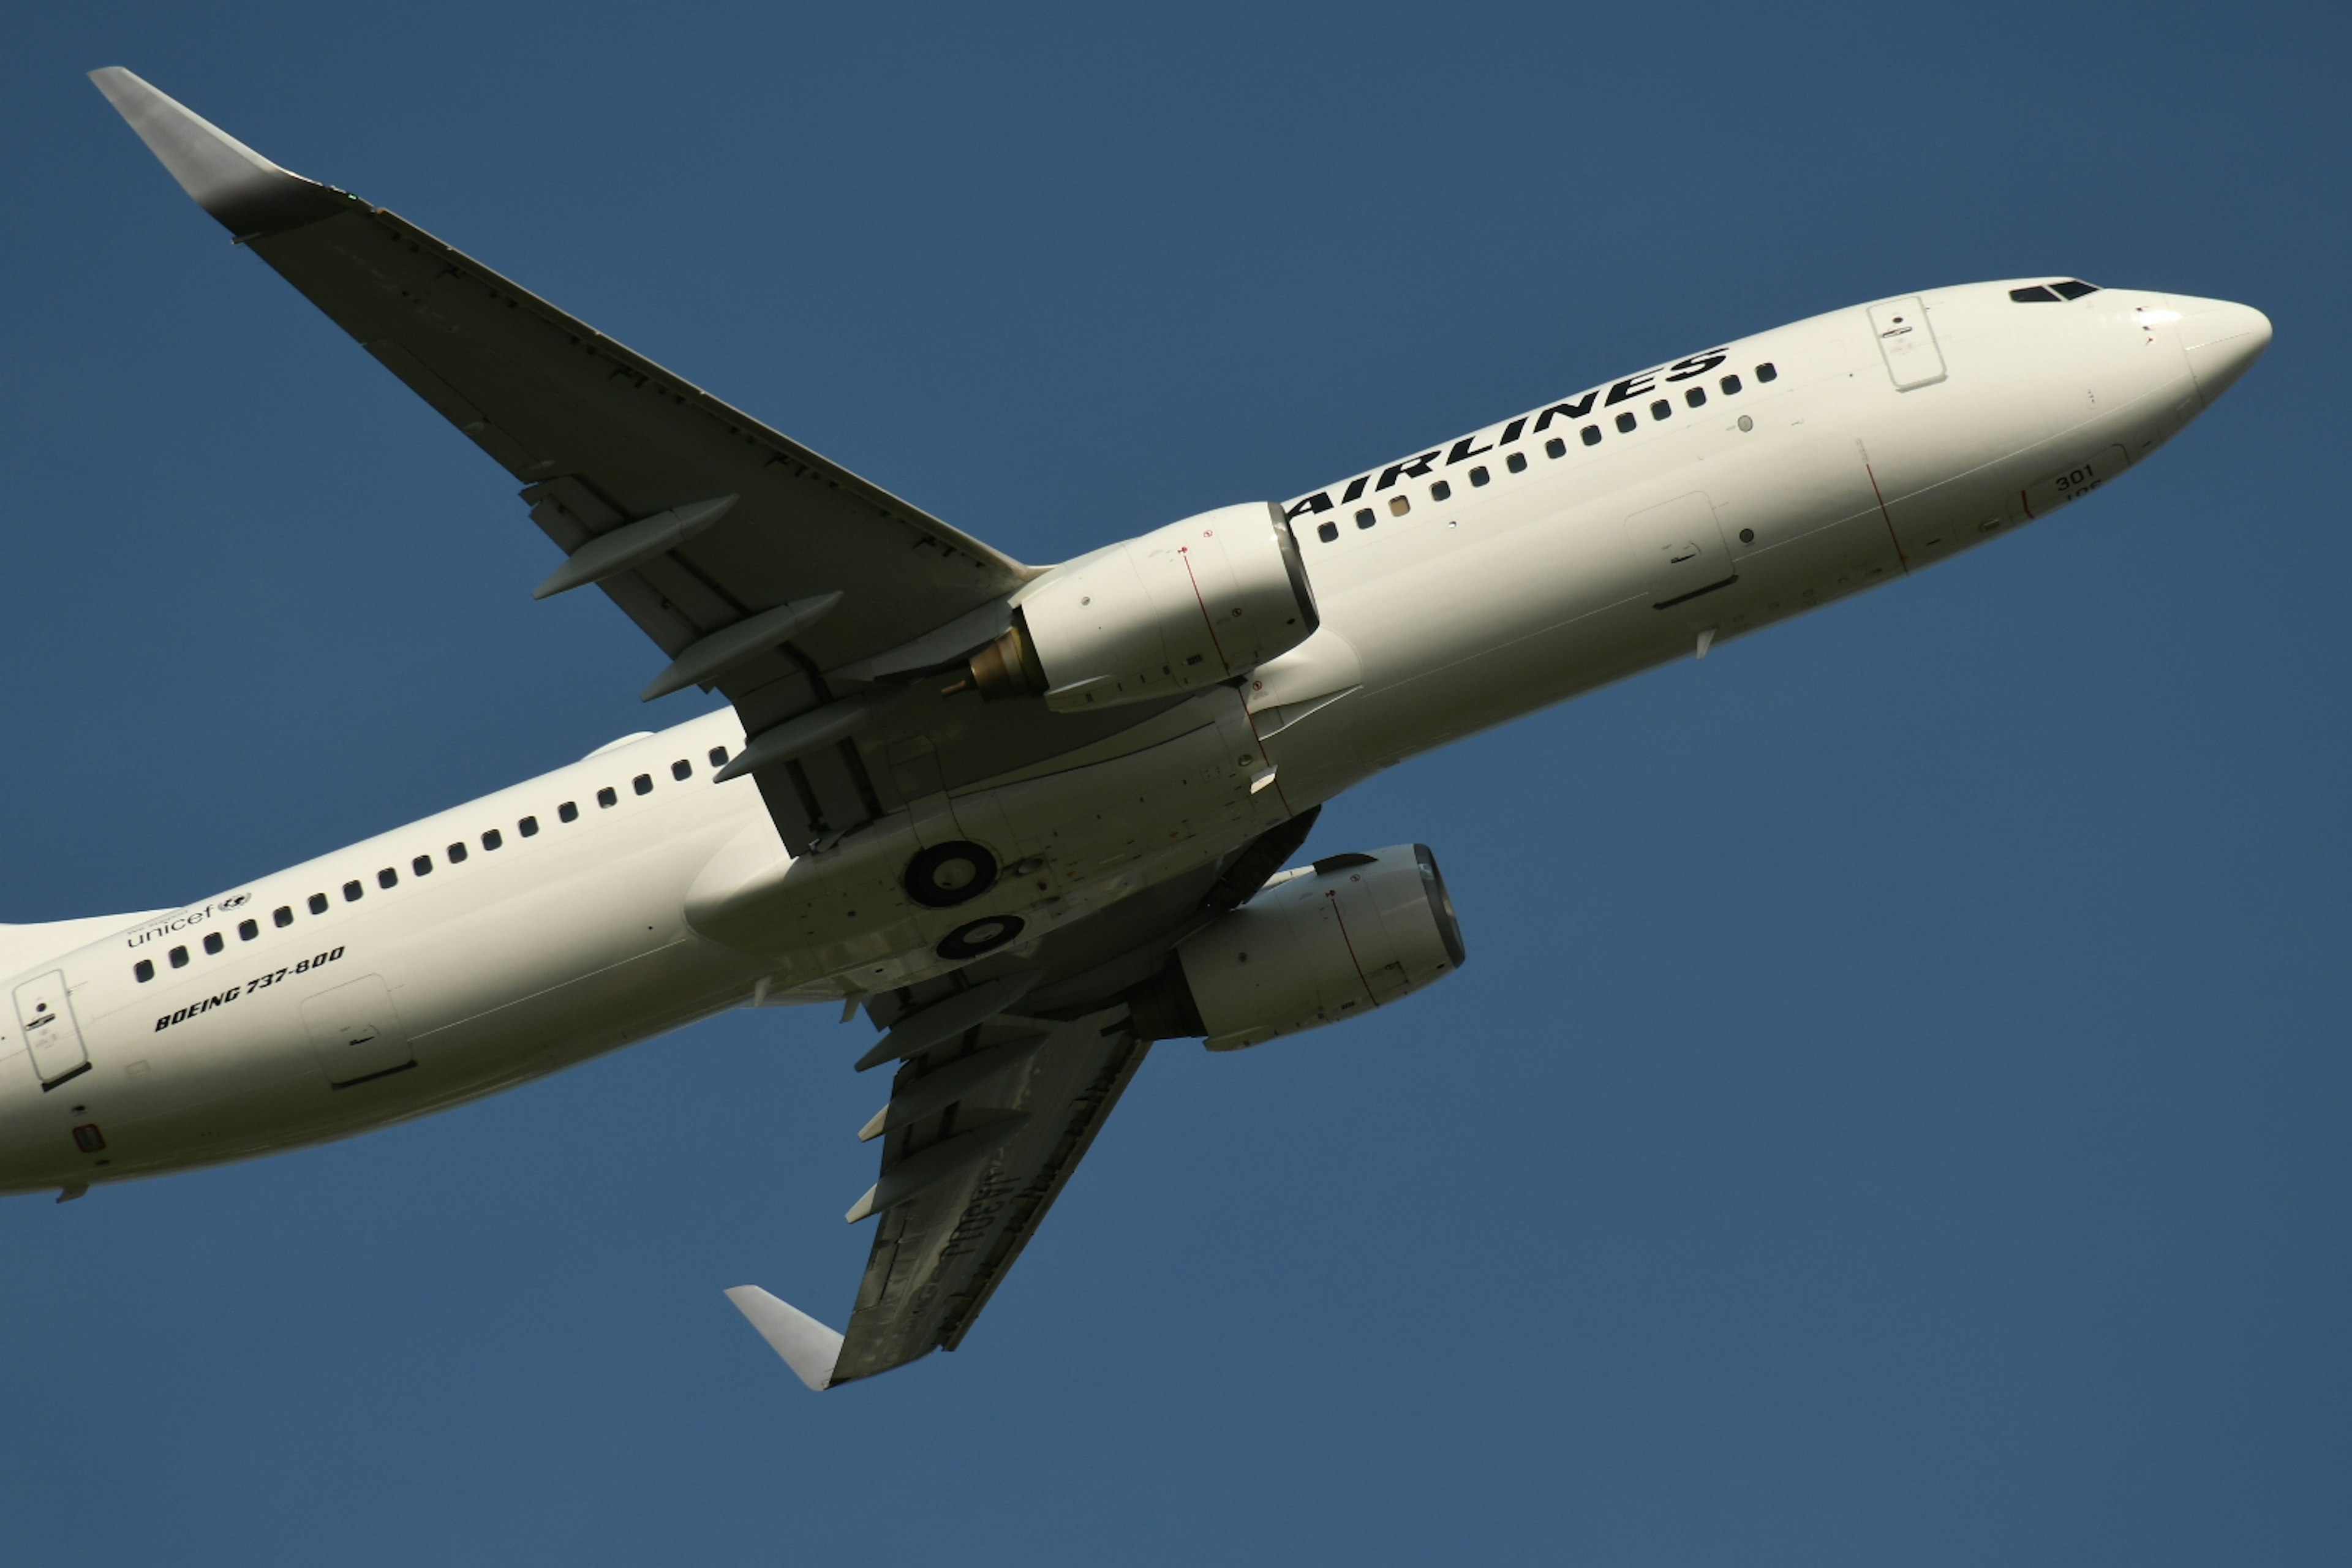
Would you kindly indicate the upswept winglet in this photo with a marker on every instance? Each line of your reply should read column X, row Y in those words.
column 248, row 193
column 808, row 1347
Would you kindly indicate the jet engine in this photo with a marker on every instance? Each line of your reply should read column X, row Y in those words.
column 1181, row 607
column 1321, row 943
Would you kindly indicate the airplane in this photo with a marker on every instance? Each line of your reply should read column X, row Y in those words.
column 1029, row 820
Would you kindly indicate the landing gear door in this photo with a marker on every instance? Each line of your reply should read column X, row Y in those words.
column 44, row 1012
column 1908, row 343
column 356, row 1033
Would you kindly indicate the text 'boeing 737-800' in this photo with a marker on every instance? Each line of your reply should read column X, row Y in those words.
column 1031, row 819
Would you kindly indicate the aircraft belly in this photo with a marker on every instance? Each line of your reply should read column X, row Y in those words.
column 157, row 1094
column 485, row 982
column 256, row 1087
column 645, row 994
column 1493, row 622
column 1086, row 836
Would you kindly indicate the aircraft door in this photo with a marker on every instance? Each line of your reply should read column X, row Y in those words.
column 1908, row 343
column 44, row 1012
column 356, row 1033
column 1681, row 547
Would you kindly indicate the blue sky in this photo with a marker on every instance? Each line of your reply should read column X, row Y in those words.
column 1893, row 1111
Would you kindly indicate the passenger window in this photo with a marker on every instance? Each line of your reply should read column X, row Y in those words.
column 681, row 769
column 143, row 971
column 1730, row 385
column 1517, row 462
column 527, row 827
column 1591, row 435
column 1768, row 372
column 608, row 797
column 1327, row 532
column 1556, row 447
column 351, row 891
column 1441, row 490
column 642, row 783
column 247, row 930
column 718, row 756
column 2074, row 288
column 1625, row 421
column 2037, row 295
column 568, row 811
column 213, row 942
column 456, row 852
column 318, row 901
column 422, row 865
column 283, row 915
column 1364, row 519
column 1398, row 505
column 1480, row 476
column 387, row 878
column 1695, row 396
column 1660, row 409
column 493, row 840
column 179, row 957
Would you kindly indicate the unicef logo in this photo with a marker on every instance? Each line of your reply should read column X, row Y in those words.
column 240, row 898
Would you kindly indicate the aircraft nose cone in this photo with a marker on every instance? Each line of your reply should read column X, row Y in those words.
column 2221, row 339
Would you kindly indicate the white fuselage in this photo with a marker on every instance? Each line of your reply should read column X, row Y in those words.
column 401, row 978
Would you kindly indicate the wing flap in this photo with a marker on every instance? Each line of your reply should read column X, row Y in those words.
column 938, row 1256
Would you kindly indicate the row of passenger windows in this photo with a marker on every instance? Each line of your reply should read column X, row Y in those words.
column 1442, row 489
column 457, row 854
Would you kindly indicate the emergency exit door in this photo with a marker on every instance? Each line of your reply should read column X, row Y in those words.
column 1681, row 546
column 356, row 1032
column 1908, row 343
column 44, row 1012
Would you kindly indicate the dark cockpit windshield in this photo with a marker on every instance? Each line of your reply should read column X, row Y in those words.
column 2050, row 293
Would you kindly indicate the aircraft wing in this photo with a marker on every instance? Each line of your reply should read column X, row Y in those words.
column 1014, row 1067
column 758, row 566
column 979, row 1176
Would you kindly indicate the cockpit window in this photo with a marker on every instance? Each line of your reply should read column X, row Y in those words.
column 2049, row 294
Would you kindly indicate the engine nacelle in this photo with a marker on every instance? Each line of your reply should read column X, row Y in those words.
column 1316, row 946
column 1184, row 606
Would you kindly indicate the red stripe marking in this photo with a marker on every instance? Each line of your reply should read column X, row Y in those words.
column 1337, row 915
column 1900, row 559
column 1206, row 619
